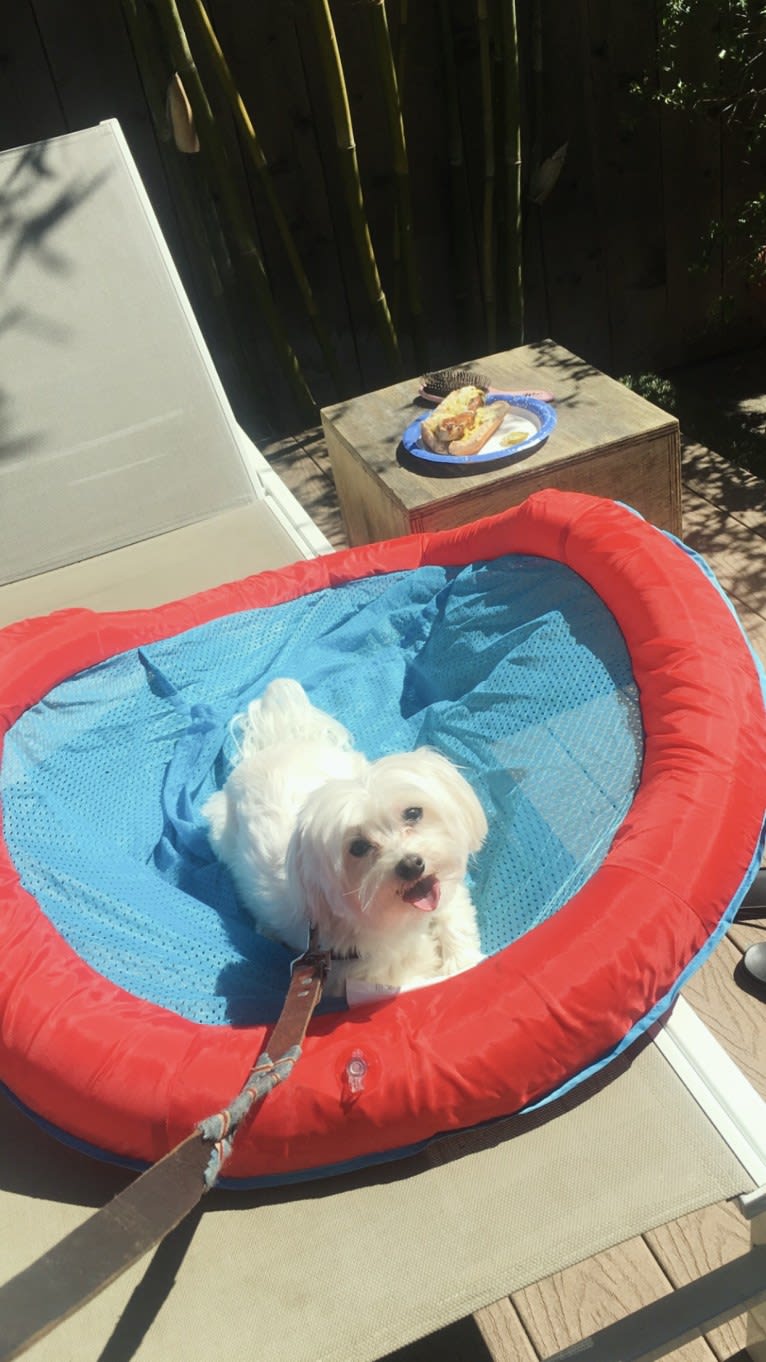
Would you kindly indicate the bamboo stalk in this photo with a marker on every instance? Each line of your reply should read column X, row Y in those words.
column 258, row 160
column 512, row 139
column 403, row 44
column 405, row 233
column 329, row 57
column 202, row 238
column 200, row 249
column 216, row 160
column 401, row 67
column 488, row 209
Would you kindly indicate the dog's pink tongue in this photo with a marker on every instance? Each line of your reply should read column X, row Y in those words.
column 425, row 894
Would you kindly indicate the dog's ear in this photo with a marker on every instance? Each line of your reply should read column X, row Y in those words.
column 307, row 873
column 446, row 777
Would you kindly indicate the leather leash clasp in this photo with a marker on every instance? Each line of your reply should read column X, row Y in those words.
column 314, row 960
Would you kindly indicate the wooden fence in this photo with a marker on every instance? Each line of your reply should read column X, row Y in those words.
column 613, row 258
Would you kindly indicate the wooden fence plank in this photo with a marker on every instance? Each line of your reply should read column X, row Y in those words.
column 92, row 62
column 571, row 234
column 610, row 253
column 30, row 107
column 627, row 178
column 743, row 307
column 451, row 336
column 691, row 171
column 262, row 48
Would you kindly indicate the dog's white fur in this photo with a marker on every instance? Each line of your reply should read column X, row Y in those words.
column 297, row 802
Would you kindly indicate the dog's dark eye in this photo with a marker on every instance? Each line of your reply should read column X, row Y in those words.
column 412, row 815
column 359, row 847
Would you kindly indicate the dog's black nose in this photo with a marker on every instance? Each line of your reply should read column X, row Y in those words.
column 410, row 868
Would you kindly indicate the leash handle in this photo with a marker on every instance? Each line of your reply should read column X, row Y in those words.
column 86, row 1261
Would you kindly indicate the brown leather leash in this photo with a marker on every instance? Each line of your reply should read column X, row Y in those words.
column 81, row 1265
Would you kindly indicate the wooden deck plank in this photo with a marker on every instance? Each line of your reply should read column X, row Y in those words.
column 747, row 933
column 725, row 522
column 570, row 1305
column 309, row 482
column 736, row 1017
column 707, row 474
column 700, row 1242
column 737, row 557
column 503, row 1333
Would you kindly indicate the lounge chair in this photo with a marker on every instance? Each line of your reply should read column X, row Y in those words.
column 125, row 481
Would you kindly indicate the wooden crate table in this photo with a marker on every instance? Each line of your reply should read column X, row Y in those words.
column 608, row 441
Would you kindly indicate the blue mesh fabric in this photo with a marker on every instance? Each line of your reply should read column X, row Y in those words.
column 514, row 669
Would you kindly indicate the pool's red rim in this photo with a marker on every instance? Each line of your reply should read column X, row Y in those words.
column 127, row 1077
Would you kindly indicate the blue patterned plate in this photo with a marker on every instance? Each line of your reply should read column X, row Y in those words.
column 526, row 427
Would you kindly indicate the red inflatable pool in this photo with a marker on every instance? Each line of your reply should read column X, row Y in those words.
column 119, row 1075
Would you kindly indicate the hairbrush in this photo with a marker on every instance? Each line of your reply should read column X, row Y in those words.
column 438, row 385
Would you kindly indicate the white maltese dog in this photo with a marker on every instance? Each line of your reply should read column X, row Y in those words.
column 373, row 853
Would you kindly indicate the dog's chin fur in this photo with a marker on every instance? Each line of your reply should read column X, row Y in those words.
column 314, row 833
